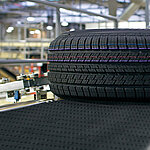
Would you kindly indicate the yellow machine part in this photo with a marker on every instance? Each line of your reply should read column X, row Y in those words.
column 5, row 74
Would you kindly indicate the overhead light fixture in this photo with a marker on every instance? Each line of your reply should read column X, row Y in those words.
column 49, row 28
column 39, row 64
column 18, row 22
column 62, row 9
column 37, row 31
column 30, row 19
column 72, row 29
column 10, row 29
column 64, row 23
column 29, row 4
column 31, row 32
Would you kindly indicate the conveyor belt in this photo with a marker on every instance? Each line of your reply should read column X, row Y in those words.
column 75, row 125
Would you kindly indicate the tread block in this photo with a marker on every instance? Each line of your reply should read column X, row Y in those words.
column 68, row 43
column 147, row 39
column 95, row 42
column 140, row 93
column 131, row 42
column 62, row 44
column 147, row 92
column 130, row 92
column 93, row 92
column 141, row 42
column 120, row 93
column 103, row 42
column 79, row 91
column 86, row 92
column 74, row 44
column 122, row 42
column 81, row 43
column 88, row 43
column 113, row 42
column 73, row 91
column 110, row 92
column 101, row 92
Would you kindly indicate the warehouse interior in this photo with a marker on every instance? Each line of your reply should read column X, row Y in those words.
column 74, row 74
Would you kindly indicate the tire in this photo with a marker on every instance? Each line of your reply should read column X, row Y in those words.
column 101, row 64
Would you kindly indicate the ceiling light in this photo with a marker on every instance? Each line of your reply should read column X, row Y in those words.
column 11, row 28
column 72, row 29
column 62, row 9
column 39, row 64
column 8, row 31
column 37, row 31
column 29, row 4
column 30, row 19
column 32, row 32
column 49, row 28
column 64, row 23
column 18, row 22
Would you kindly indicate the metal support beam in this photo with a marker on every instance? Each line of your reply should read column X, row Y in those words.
column 57, row 5
column 131, row 10
column 112, row 4
column 2, row 32
column 147, row 11
column 136, row 1
column 17, row 61
column 25, row 39
column 22, row 68
column 42, row 48
column 58, row 25
column 3, row 11
column 116, row 24
column 19, row 33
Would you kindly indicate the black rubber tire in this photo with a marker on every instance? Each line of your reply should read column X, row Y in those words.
column 101, row 64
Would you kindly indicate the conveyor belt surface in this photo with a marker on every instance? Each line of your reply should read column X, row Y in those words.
column 76, row 125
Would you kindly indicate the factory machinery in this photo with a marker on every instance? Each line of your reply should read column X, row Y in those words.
column 12, row 90
column 103, row 79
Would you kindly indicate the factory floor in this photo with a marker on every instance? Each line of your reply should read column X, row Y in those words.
column 77, row 125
